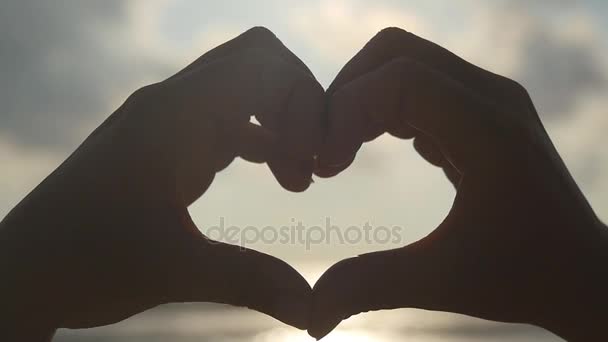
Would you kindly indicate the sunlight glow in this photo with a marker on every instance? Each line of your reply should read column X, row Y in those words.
column 289, row 335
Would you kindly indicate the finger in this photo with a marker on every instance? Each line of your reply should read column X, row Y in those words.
column 428, row 150
column 222, row 273
column 405, row 277
column 453, row 175
column 255, row 82
column 458, row 121
column 234, row 87
column 194, row 174
column 247, row 140
column 292, row 174
column 331, row 170
column 392, row 43
column 347, row 124
column 357, row 112
column 256, row 37
column 402, row 131
column 254, row 143
column 433, row 155
column 299, row 126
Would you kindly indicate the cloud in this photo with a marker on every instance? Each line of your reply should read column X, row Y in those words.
column 62, row 64
column 335, row 30
column 558, row 64
column 560, row 72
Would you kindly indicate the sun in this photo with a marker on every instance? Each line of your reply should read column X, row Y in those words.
column 288, row 335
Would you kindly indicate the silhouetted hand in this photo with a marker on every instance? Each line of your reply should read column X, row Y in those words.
column 108, row 235
column 520, row 244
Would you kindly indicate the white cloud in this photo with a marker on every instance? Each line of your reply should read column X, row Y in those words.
column 336, row 30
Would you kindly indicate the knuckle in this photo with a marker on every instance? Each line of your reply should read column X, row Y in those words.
column 517, row 88
column 391, row 33
column 158, row 98
column 514, row 92
column 261, row 35
column 391, row 36
column 148, row 93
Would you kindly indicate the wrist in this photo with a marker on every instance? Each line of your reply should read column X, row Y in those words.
column 580, row 311
column 24, row 312
column 574, row 324
column 25, row 332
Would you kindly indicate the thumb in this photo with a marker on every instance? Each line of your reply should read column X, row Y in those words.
column 398, row 278
column 211, row 271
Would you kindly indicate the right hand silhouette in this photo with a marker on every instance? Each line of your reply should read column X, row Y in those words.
column 520, row 241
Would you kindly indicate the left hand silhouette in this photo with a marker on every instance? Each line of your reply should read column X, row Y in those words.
column 108, row 234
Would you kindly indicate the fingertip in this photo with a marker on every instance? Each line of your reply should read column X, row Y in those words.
column 292, row 175
column 352, row 286
column 293, row 304
column 328, row 299
column 255, row 280
column 326, row 170
column 323, row 319
column 428, row 150
column 294, row 311
column 324, row 311
column 319, row 331
column 402, row 131
column 297, row 187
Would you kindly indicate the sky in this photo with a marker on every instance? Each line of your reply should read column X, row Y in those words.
column 66, row 65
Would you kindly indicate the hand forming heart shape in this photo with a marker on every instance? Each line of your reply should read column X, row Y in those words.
column 122, row 239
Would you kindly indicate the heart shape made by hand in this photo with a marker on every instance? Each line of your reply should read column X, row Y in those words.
column 123, row 241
